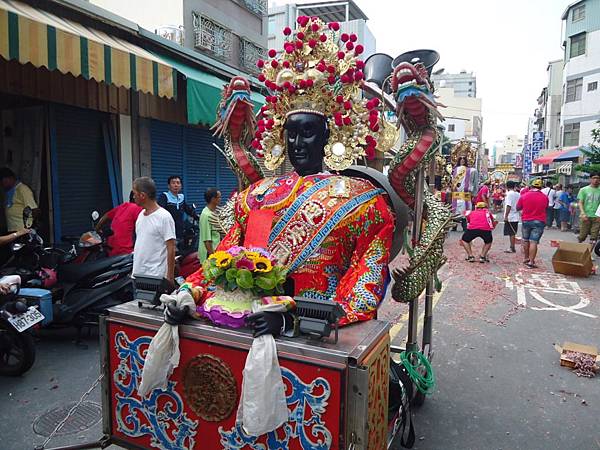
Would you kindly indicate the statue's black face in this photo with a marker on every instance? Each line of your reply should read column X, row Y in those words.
column 305, row 135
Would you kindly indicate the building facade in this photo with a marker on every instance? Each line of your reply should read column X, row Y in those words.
column 347, row 13
column 506, row 150
column 89, row 101
column 553, row 103
column 233, row 32
column 581, row 74
column 464, row 83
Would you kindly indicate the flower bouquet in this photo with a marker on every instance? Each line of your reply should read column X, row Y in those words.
column 240, row 275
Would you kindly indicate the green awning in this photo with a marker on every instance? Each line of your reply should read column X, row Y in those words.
column 204, row 93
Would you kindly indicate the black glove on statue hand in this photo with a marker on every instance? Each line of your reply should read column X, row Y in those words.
column 175, row 315
column 269, row 323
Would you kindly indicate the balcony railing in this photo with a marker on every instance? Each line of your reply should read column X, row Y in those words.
column 249, row 54
column 209, row 35
column 258, row 7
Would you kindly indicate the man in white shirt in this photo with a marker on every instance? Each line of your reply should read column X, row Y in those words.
column 550, row 192
column 511, row 215
column 154, row 249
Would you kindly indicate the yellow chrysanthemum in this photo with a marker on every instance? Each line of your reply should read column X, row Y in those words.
column 262, row 264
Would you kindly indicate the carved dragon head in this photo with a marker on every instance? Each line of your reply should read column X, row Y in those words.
column 413, row 92
column 235, row 111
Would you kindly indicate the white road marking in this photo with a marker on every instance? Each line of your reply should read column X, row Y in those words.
column 548, row 283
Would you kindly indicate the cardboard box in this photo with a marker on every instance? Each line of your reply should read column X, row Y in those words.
column 572, row 259
column 573, row 347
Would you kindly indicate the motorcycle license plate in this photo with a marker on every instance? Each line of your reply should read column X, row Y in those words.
column 26, row 320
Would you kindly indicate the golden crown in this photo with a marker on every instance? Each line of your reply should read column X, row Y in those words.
column 319, row 72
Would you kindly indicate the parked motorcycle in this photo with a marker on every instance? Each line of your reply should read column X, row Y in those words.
column 186, row 260
column 90, row 246
column 83, row 290
column 17, row 346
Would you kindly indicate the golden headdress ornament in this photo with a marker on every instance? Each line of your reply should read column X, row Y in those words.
column 319, row 72
column 463, row 149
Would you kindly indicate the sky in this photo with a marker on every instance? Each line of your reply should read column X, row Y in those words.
column 506, row 43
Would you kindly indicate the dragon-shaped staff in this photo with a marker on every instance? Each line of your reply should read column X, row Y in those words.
column 417, row 112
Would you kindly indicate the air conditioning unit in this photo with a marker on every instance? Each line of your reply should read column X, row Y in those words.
column 171, row 32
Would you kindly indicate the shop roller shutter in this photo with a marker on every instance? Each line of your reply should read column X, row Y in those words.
column 200, row 165
column 226, row 181
column 167, row 152
column 80, row 173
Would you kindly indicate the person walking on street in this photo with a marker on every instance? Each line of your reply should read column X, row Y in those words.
column 511, row 215
column 564, row 213
column 589, row 201
column 18, row 196
column 550, row 194
column 480, row 224
column 209, row 237
column 154, row 249
column 557, row 205
column 174, row 202
column 122, row 224
column 483, row 195
column 533, row 206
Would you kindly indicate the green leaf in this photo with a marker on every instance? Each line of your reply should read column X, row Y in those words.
column 266, row 283
column 230, row 285
column 244, row 279
column 231, row 274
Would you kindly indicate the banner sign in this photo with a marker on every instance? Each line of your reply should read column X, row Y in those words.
column 537, row 144
column 519, row 161
column 527, row 161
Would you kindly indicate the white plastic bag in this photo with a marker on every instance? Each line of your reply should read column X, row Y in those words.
column 263, row 405
column 163, row 353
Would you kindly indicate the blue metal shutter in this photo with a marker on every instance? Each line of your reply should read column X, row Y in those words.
column 226, row 179
column 167, row 152
column 205, row 167
column 79, row 170
column 200, row 165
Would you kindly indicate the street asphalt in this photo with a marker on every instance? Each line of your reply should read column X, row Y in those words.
column 499, row 381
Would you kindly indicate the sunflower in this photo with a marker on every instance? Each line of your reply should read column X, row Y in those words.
column 262, row 264
column 252, row 255
column 222, row 259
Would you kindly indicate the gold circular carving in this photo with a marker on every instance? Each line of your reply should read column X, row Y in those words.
column 210, row 387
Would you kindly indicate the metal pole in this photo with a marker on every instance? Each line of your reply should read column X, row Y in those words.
column 428, row 319
column 429, row 289
column 413, row 313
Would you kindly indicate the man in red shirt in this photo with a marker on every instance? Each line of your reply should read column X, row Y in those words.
column 533, row 206
column 483, row 195
column 122, row 224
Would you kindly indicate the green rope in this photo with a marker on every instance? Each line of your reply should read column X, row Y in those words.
column 424, row 383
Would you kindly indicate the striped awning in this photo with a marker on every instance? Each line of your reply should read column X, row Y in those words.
column 30, row 35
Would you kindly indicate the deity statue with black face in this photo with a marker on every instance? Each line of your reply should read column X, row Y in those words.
column 332, row 232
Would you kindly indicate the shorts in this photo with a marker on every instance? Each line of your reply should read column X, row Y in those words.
column 510, row 228
column 497, row 202
column 564, row 215
column 469, row 235
column 533, row 230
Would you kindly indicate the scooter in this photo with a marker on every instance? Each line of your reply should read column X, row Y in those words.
column 17, row 346
column 186, row 261
column 90, row 246
column 82, row 291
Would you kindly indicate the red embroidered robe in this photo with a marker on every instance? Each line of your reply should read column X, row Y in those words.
column 351, row 264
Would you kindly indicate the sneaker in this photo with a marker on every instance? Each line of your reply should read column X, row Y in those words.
column 510, row 250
